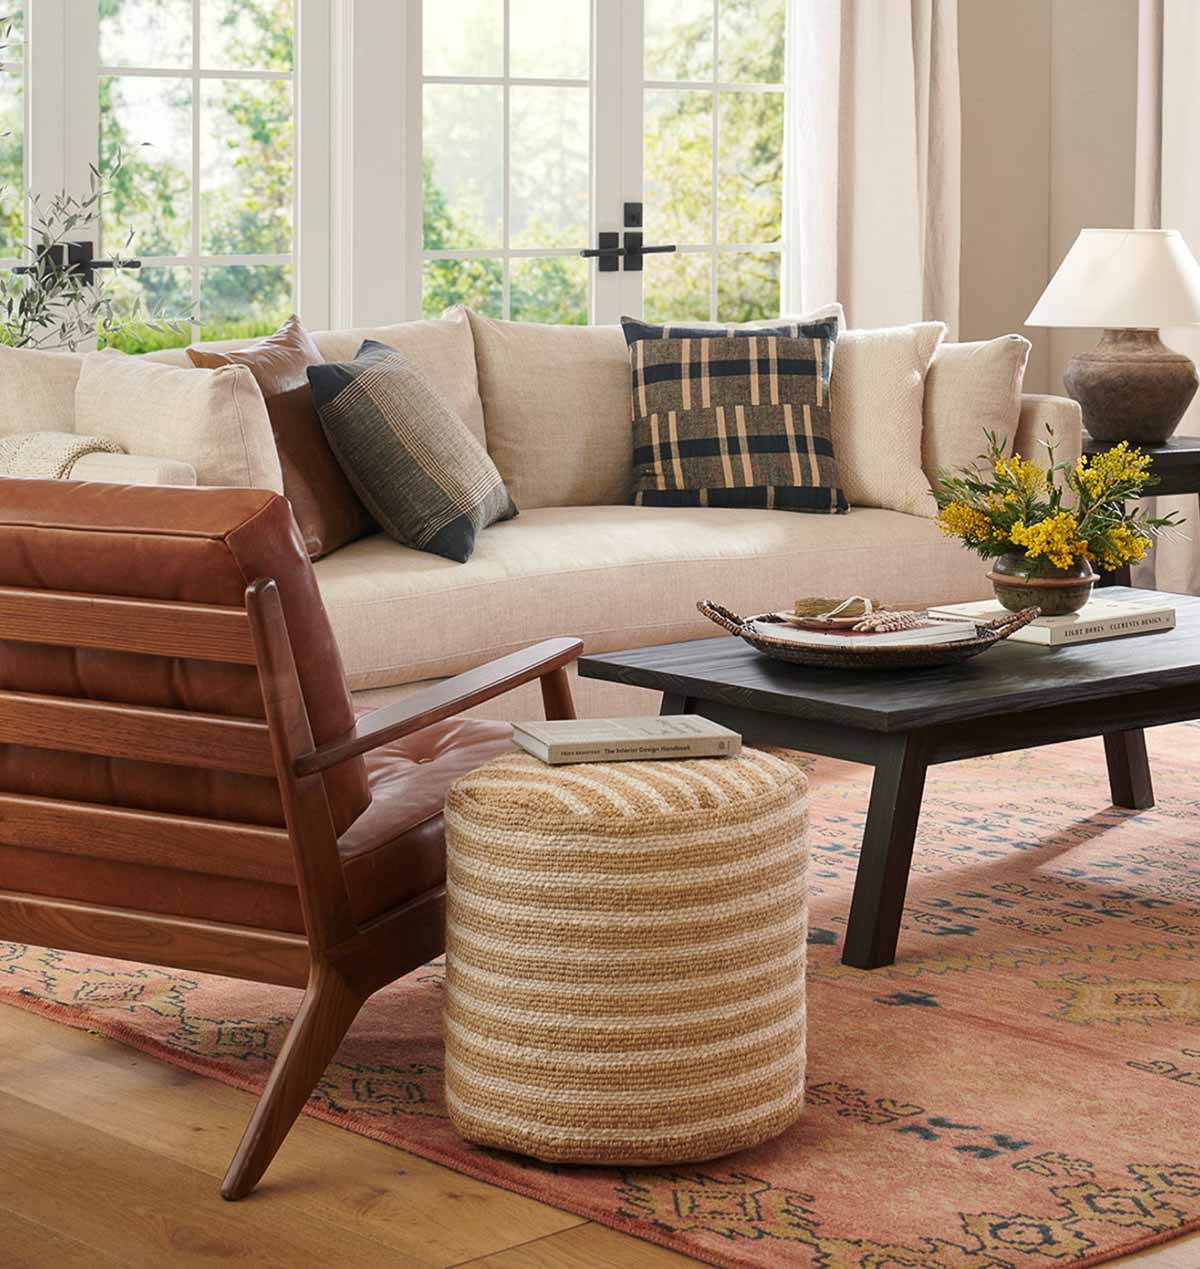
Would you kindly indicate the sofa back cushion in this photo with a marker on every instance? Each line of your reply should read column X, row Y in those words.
column 972, row 389
column 557, row 411
column 214, row 419
column 443, row 349
column 37, row 390
column 201, row 546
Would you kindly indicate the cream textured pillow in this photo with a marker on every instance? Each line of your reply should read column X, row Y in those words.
column 557, row 411
column 37, row 390
column 214, row 419
column 972, row 389
column 877, row 393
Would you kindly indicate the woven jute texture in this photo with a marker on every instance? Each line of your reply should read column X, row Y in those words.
column 626, row 953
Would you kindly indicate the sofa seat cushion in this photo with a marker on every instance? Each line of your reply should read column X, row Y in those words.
column 396, row 849
column 618, row 577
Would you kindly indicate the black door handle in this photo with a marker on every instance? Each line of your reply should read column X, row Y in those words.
column 606, row 251
column 634, row 250
column 77, row 259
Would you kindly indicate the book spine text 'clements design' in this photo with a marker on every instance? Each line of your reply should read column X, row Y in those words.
column 1111, row 628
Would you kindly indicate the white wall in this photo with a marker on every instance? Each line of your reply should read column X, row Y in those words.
column 1049, row 111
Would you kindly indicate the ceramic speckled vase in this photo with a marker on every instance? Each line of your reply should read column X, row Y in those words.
column 1023, row 583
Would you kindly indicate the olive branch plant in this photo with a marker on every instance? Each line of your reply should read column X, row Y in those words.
column 52, row 302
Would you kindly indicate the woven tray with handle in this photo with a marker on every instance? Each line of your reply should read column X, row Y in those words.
column 862, row 655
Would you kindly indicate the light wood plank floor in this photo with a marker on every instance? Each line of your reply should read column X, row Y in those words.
column 110, row 1160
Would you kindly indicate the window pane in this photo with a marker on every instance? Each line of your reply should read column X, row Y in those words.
column 246, row 168
column 677, row 164
column 750, row 167
column 679, row 39
column 677, row 288
column 550, row 179
column 476, row 283
column 144, row 296
column 550, row 39
column 552, row 289
column 752, row 41
column 12, row 162
column 242, row 301
column 246, row 34
column 462, row 160
column 463, row 37
column 149, row 33
column 12, row 32
column 148, row 122
column 747, row 286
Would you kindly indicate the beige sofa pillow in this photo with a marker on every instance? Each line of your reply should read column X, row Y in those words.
column 214, row 419
column 877, row 394
column 972, row 389
column 557, row 410
column 37, row 390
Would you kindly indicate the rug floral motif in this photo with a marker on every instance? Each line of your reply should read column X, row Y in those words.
column 1021, row 1089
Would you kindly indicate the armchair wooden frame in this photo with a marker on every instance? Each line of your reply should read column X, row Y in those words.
column 338, row 961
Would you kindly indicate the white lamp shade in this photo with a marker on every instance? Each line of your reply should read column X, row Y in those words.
column 1133, row 279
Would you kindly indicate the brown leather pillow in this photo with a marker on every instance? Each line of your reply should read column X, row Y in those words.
column 278, row 363
column 326, row 508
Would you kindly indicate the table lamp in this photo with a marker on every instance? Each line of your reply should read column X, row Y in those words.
column 1129, row 283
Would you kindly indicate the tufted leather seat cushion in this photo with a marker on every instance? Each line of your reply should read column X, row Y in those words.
column 396, row 849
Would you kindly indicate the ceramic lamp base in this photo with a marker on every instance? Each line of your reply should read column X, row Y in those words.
column 1131, row 387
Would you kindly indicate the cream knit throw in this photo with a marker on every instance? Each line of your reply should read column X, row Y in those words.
column 49, row 455
column 625, row 956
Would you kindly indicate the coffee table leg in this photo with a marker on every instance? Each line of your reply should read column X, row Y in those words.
column 887, row 848
column 1129, row 770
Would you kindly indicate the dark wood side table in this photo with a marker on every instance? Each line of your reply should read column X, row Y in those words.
column 1014, row 696
column 1177, row 466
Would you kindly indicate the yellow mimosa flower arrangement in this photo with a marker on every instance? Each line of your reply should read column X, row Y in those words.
column 1047, row 525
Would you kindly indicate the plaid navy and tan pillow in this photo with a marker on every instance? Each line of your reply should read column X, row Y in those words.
column 734, row 417
column 409, row 457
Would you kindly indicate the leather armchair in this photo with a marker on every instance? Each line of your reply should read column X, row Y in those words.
column 183, row 780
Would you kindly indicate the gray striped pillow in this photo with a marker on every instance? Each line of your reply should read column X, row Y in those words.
column 410, row 458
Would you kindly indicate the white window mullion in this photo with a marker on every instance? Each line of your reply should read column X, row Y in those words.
column 506, row 168
column 197, row 315
column 716, row 141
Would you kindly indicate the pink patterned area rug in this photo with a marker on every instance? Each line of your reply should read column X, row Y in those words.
column 1021, row 1089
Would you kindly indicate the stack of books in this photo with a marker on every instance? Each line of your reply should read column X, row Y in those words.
column 1099, row 618
column 626, row 739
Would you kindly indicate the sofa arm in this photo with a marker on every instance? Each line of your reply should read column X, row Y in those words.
column 133, row 469
column 1041, row 414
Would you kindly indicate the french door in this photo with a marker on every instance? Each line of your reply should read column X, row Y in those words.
column 194, row 105
column 646, row 133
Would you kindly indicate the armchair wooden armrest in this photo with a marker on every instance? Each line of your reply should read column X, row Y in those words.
column 545, row 661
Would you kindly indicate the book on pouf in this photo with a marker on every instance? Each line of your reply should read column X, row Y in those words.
column 626, row 739
column 1098, row 619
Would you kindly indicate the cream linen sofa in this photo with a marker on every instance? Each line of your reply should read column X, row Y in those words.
column 552, row 406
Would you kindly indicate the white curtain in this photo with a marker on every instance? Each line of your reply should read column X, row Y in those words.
column 1167, row 195
column 872, row 168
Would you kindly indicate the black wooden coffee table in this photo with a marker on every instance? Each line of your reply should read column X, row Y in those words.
column 1014, row 696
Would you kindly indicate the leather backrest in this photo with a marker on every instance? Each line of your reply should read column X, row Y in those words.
column 194, row 545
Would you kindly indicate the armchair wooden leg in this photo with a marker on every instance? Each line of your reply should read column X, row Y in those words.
column 329, row 1006
column 556, row 694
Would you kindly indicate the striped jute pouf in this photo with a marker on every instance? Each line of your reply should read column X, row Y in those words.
column 625, row 956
